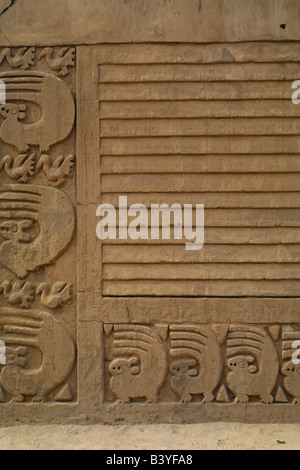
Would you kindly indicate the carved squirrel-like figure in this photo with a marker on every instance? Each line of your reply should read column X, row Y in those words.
column 292, row 380
column 197, row 368
column 253, row 363
column 32, row 238
column 142, row 370
column 40, row 330
column 53, row 97
column 290, row 368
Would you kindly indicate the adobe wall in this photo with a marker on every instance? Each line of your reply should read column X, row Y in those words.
column 162, row 102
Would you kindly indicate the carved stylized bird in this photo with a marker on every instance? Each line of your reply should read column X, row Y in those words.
column 20, row 168
column 64, row 59
column 59, row 294
column 58, row 170
column 23, row 58
column 19, row 292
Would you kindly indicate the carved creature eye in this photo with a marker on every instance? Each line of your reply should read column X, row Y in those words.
column 14, row 228
column 242, row 364
column 11, row 357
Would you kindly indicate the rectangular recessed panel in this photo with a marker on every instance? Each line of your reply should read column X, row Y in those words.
column 221, row 131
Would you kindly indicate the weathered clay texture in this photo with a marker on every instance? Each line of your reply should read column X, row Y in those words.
column 144, row 330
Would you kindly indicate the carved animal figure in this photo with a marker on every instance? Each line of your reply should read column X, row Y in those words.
column 292, row 380
column 14, row 355
column 291, row 371
column 20, row 168
column 64, row 59
column 17, row 230
column 253, row 362
column 23, row 58
column 141, row 364
column 18, row 292
column 42, row 331
column 57, row 116
column 197, row 367
column 58, row 170
column 59, row 294
column 39, row 224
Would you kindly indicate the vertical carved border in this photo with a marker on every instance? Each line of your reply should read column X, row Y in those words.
column 90, row 331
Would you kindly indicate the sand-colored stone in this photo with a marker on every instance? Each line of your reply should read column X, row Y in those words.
column 204, row 436
column 176, row 101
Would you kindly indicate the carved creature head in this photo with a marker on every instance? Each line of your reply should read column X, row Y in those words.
column 242, row 363
column 17, row 230
column 121, row 366
column 10, row 109
column 15, row 355
column 289, row 368
column 181, row 367
column 6, row 284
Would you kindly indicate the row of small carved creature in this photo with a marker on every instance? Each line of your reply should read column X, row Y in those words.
column 25, row 166
column 25, row 57
column 249, row 363
column 23, row 293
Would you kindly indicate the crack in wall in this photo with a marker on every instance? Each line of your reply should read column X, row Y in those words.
column 8, row 7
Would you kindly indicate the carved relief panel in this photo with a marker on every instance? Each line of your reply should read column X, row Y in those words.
column 37, row 225
column 200, row 364
column 192, row 335
column 142, row 330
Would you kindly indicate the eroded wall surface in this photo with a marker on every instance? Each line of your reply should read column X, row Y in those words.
column 163, row 104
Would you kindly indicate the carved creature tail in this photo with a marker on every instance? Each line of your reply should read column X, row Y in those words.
column 19, row 204
column 30, row 86
column 141, row 342
column 188, row 341
column 19, row 327
column 199, row 343
column 289, row 335
column 254, row 341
